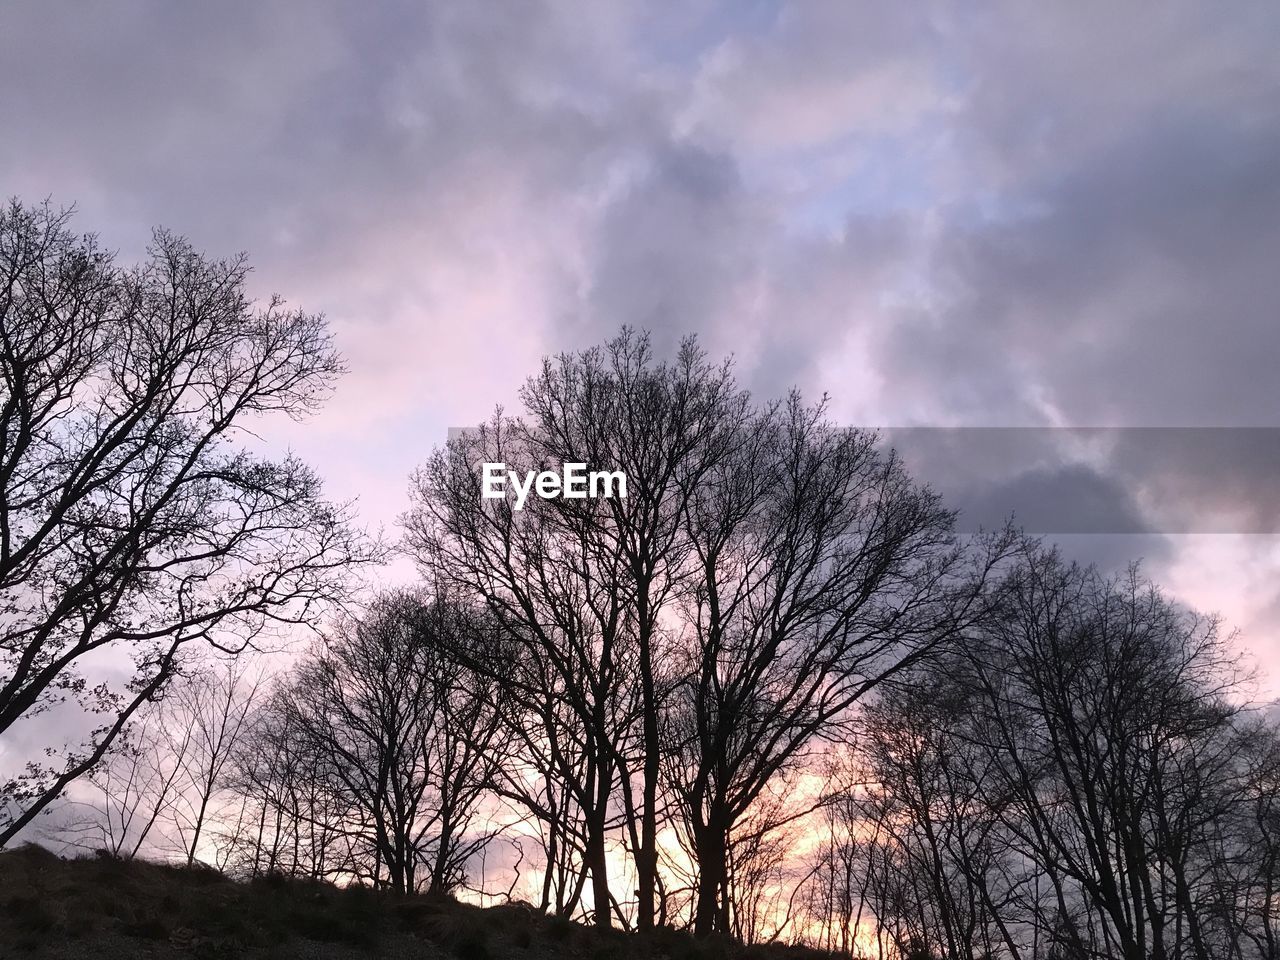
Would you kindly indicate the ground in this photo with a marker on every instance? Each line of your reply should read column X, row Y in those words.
column 101, row 907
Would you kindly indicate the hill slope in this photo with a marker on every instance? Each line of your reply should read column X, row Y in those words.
column 55, row 908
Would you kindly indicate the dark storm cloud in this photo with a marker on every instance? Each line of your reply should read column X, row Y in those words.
column 1143, row 292
column 1123, row 270
column 1125, row 480
column 991, row 475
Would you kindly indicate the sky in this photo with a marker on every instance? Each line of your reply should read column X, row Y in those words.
column 1044, row 216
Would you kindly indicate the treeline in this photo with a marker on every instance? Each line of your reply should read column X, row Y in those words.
column 670, row 658
column 769, row 694
column 1075, row 778
column 366, row 761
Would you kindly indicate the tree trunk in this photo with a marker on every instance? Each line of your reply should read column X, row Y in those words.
column 712, row 876
column 647, row 855
column 597, row 862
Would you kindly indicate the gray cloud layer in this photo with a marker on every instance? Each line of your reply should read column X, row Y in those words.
column 1021, row 214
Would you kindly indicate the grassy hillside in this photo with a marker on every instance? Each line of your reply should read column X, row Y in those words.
column 55, row 908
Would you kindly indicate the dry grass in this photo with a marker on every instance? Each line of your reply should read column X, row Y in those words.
column 99, row 907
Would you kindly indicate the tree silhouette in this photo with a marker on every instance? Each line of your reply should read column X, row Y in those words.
column 130, row 523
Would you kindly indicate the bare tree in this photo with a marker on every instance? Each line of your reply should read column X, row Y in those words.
column 159, row 784
column 665, row 425
column 130, row 523
column 133, row 791
column 534, row 775
column 735, row 541
column 464, row 747
column 406, row 732
column 292, row 818
column 206, row 715
column 1077, row 778
column 562, row 646
column 1106, row 719
column 822, row 571
column 925, row 834
column 1242, row 874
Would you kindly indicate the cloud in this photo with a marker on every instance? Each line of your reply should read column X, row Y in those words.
column 1020, row 215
